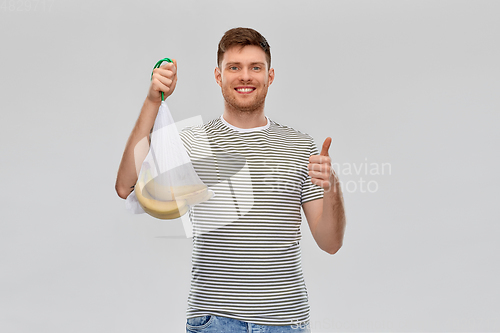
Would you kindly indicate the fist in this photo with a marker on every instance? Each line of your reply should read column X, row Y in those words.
column 164, row 79
column 320, row 168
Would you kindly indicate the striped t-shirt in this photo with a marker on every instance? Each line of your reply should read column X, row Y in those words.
column 246, row 260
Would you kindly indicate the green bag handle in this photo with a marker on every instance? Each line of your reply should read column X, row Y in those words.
column 158, row 64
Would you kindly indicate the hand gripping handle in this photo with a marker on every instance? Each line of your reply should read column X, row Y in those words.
column 158, row 64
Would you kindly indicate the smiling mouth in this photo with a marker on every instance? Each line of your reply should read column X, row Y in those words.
column 245, row 90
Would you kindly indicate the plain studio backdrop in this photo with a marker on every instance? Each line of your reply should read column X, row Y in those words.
column 408, row 90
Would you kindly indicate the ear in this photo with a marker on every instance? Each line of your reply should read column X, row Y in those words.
column 271, row 76
column 218, row 76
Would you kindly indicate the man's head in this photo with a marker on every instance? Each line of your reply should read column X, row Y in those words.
column 243, row 71
column 240, row 37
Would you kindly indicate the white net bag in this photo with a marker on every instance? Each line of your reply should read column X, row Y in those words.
column 167, row 184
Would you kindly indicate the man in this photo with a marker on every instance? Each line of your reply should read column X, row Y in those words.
column 246, row 260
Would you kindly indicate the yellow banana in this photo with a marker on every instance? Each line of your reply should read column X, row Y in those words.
column 164, row 210
column 168, row 202
column 193, row 194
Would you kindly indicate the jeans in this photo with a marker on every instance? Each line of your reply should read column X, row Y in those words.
column 216, row 324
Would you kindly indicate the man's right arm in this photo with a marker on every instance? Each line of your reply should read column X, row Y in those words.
column 163, row 80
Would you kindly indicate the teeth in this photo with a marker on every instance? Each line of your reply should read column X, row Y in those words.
column 245, row 89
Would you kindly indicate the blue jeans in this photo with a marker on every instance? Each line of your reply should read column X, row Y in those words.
column 216, row 324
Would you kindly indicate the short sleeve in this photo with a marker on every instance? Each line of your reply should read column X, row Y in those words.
column 311, row 191
column 187, row 139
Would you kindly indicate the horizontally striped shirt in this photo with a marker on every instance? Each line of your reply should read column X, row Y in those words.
column 246, row 260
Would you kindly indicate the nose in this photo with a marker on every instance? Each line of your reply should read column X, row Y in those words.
column 245, row 75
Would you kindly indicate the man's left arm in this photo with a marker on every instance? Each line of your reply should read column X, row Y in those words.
column 326, row 217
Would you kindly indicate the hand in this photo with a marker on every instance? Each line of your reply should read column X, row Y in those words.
column 164, row 79
column 320, row 168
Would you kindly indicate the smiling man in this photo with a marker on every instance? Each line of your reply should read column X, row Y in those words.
column 244, row 77
column 247, row 272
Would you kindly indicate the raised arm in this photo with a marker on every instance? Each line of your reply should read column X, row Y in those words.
column 164, row 79
column 326, row 217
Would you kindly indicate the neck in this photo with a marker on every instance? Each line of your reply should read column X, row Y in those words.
column 245, row 119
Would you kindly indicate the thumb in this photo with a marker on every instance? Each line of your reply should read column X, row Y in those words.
column 326, row 146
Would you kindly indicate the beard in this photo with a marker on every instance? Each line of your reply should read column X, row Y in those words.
column 249, row 105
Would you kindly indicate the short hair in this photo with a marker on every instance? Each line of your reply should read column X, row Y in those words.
column 243, row 37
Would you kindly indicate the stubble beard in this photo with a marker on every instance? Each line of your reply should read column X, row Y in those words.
column 257, row 105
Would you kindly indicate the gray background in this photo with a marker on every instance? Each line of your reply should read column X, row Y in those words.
column 411, row 83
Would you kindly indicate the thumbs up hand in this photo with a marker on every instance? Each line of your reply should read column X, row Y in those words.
column 320, row 168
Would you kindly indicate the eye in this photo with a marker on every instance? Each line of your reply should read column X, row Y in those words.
column 233, row 68
column 256, row 68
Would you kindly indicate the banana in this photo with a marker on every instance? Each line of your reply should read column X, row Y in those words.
column 168, row 202
column 165, row 210
column 196, row 194
column 193, row 194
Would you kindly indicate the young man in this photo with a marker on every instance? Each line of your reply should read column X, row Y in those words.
column 246, row 256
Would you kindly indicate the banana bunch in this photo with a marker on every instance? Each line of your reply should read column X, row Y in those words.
column 168, row 202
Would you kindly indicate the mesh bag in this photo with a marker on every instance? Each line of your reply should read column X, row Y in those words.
column 167, row 184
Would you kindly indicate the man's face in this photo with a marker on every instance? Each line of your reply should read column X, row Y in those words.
column 244, row 78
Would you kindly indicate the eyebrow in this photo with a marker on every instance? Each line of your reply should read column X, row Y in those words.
column 239, row 63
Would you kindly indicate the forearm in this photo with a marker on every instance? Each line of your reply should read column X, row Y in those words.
column 330, row 227
column 136, row 149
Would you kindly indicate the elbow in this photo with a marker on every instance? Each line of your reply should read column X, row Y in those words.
column 121, row 191
column 333, row 249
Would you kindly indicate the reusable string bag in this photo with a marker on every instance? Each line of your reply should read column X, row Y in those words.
column 167, row 184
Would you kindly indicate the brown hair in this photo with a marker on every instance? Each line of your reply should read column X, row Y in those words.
column 243, row 37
